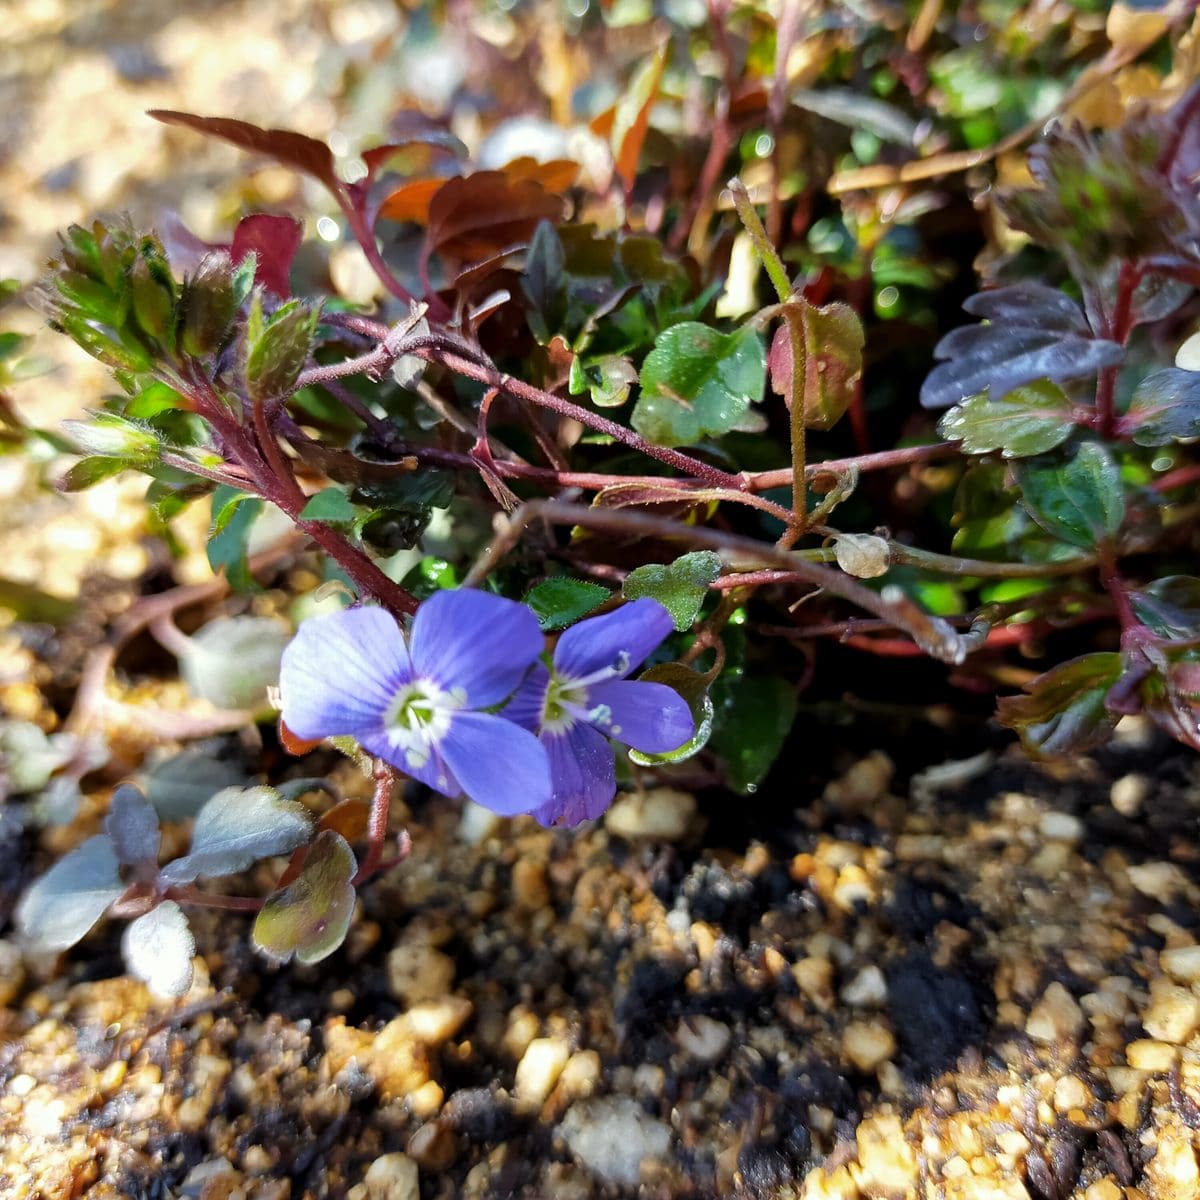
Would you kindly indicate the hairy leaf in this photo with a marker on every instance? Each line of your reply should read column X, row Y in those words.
column 1165, row 406
column 310, row 916
column 234, row 513
column 179, row 786
column 71, row 897
column 158, row 949
column 237, row 827
column 680, row 587
column 1029, row 420
column 699, row 383
column 1064, row 712
column 277, row 348
column 1079, row 500
column 232, row 661
column 833, row 345
column 561, row 601
column 132, row 825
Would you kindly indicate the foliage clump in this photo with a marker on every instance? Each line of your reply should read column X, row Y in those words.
column 685, row 364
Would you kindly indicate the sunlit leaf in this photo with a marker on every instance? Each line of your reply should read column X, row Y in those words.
column 680, row 587
column 631, row 116
column 1029, row 420
column 158, row 949
column 61, row 906
column 237, row 827
column 473, row 216
column 561, row 601
column 309, row 918
column 282, row 145
column 699, row 383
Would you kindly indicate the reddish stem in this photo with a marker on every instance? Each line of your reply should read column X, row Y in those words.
column 377, row 828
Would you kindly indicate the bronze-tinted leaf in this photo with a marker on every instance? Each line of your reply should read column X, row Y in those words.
column 309, row 917
column 283, row 145
column 477, row 215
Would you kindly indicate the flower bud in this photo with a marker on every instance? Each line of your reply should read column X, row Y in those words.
column 209, row 305
column 863, row 555
column 111, row 436
column 276, row 353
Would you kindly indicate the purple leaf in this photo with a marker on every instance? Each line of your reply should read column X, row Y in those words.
column 1032, row 304
column 1001, row 357
column 275, row 240
column 132, row 824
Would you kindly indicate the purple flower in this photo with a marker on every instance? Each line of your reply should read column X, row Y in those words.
column 419, row 706
column 584, row 699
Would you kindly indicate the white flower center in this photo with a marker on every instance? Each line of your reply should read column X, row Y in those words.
column 419, row 718
column 566, row 701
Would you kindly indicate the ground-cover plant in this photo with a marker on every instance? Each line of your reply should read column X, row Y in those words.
column 635, row 447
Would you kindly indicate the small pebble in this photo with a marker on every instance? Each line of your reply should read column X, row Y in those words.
column 539, row 1069
column 418, row 972
column 1149, row 1055
column 1182, row 963
column 702, row 1038
column 868, row 989
column 581, row 1075
column 868, row 1045
column 1056, row 1017
column 1128, row 794
column 661, row 813
column 1174, row 1013
column 1161, row 881
column 1060, row 826
column 393, row 1177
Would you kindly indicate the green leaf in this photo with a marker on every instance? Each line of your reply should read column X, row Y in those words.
column 543, row 282
column 699, row 383
column 112, row 436
column 310, row 916
column 431, row 574
column 234, row 513
column 237, row 827
column 331, row 506
column 693, row 687
column 1079, row 500
column 89, row 471
column 607, row 380
column 754, row 717
column 679, row 587
column 1064, row 712
column 1165, row 407
column 72, row 896
column 1029, row 420
column 561, row 601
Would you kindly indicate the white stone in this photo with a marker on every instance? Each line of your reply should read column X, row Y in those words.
column 393, row 1177
column 612, row 1137
column 661, row 813
column 868, row 989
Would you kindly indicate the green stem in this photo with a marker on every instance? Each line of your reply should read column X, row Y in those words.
column 767, row 254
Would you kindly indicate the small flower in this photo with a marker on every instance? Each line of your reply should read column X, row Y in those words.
column 420, row 706
column 584, row 699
